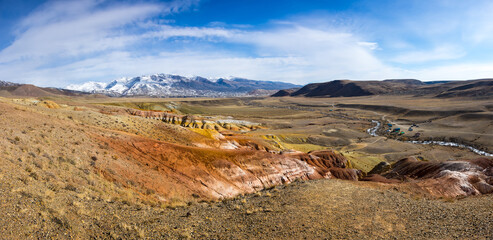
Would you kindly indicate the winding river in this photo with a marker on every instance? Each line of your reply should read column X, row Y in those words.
column 373, row 132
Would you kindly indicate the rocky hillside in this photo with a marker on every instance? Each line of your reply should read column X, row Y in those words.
column 162, row 85
column 348, row 88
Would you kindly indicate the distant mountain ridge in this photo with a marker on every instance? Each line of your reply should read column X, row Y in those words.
column 9, row 89
column 163, row 85
column 348, row 88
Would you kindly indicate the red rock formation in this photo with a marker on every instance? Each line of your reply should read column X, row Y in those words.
column 449, row 179
column 329, row 164
column 172, row 170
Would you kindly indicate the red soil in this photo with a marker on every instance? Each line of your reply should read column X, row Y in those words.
column 171, row 170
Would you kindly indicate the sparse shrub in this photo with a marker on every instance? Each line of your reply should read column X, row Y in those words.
column 34, row 175
column 61, row 221
column 49, row 176
column 70, row 187
column 24, row 180
column 150, row 191
column 67, row 160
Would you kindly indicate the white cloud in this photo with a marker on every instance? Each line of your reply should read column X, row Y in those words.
column 455, row 71
column 71, row 29
column 369, row 45
column 439, row 53
column 167, row 31
column 67, row 42
column 88, row 42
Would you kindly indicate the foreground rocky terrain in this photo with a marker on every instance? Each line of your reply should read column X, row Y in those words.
column 93, row 167
column 322, row 209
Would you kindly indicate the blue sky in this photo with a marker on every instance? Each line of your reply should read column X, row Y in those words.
column 57, row 43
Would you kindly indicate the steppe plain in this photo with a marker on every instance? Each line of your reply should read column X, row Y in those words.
column 90, row 167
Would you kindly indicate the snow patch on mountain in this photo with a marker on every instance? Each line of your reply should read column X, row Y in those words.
column 87, row 87
column 163, row 85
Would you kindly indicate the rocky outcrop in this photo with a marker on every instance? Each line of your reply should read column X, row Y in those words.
column 444, row 179
column 329, row 164
column 195, row 122
column 380, row 168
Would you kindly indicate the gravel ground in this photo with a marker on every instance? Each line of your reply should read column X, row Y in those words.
column 323, row 209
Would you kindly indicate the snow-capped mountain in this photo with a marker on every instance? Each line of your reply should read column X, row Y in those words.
column 163, row 85
column 7, row 84
column 88, row 87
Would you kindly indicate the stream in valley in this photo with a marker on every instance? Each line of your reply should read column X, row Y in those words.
column 373, row 132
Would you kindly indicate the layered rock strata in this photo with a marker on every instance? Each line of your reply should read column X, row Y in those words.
column 329, row 164
column 196, row 122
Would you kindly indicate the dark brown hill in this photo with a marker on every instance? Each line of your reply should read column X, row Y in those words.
column 285, row 92
column 473, row 89
column 29, row 90
column 442, row 89
column 348, row 88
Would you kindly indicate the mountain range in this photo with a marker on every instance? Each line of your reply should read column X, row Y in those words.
column 164, row 85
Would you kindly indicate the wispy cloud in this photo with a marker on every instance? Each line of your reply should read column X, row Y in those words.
column 439, row 53
column 458, row 71
column 71, row 29
column 89, row 40
column 65, row 42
